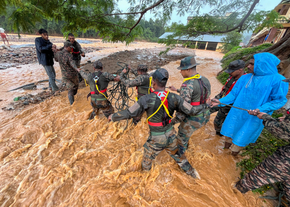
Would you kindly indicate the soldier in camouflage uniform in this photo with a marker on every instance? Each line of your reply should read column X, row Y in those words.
column 275, row 168
column 195, row 90
column 77, row 52
column 98, row 82
column 141, row 82
column 160, row 106
column 68, row 70
column 236, row 70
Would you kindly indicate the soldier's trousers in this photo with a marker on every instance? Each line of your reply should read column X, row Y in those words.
column 220, row 117
column 275, row 168
column 163, row 141
column 188, row 126
column 104, row 105
column 72, row 85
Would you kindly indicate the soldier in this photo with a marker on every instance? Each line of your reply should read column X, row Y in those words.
column 77, row 52
column 275, row 168
column 261, row 90
column 195, row 90
column 142, row 83
column 98, row 82
column 160, row 106
column 236, row 70
column 68, row 70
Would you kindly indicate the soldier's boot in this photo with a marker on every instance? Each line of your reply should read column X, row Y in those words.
column 193, row 173
column 71, row 99
column 236, row 149
column 235, row 153
column 92, row 115
column 227, row 145
column 240, row 187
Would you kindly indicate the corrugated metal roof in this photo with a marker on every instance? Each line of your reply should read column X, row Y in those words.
column 203, row 38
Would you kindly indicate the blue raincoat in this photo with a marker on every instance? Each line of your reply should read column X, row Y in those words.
column 263, row 90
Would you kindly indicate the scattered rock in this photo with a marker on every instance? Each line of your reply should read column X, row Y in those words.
column 24, row 55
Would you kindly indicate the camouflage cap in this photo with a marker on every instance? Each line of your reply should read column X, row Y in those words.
column 161, row 74
column 187, row 63
column 287, row 80
column 142, row 67
column 98, row 65
column 235, row 65
column 68, row 44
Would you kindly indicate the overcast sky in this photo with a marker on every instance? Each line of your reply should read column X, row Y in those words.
column 265, row 5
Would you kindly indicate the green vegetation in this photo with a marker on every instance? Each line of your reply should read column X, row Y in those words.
column 231, row 41
column 105, row 19
column 151, row 29
column 238, row 53
column 223, row 77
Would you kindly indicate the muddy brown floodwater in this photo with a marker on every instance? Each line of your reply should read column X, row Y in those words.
column 52, row 155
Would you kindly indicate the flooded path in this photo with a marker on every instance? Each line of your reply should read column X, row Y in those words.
column 52, row 155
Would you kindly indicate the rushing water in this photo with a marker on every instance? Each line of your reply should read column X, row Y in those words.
column 52, row 155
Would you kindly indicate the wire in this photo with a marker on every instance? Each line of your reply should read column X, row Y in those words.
column 119, row 93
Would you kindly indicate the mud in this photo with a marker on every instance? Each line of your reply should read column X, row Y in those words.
column 149, row 57
column 52, row 155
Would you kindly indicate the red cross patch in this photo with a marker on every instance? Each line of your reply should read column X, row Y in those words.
column 183, row 85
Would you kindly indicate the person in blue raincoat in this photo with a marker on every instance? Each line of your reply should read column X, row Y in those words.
column 260, row 91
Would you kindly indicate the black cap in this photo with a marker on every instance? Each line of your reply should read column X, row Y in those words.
column 235, row 65
column 98, row 65
column 161, row 74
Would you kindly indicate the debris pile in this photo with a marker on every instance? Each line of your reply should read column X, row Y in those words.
column 16, row 56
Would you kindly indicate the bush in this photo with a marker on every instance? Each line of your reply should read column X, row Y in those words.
column 231, row 41
column 236, row 54
column 223, row 77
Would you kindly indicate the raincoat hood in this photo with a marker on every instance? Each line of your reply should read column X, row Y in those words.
column 265, row 64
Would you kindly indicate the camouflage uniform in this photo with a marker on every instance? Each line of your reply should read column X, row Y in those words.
column 191, row 93
column 275, row 168
column 162, row 134
column 222, row 111
column 76, row 52
column 141, row 82
column 68, row 70
column 98, row 100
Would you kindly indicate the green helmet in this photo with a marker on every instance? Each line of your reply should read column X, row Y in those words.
column 187, row 63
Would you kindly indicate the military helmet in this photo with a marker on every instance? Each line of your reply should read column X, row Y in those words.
column 142, row 68
column 68, row 44
column 98, row 65
column 161, row 75
column 187, row 63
